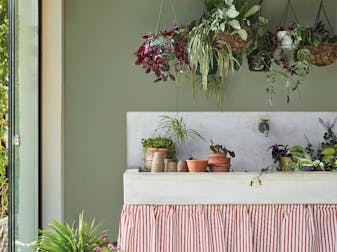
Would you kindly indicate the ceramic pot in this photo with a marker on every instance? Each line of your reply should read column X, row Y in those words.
column 197, row 165
column 220, row 168
column 285, row 39
column 218, row 158
column 158, row 164
column 182, row 166
column 171, row 166
column 166, row 160
column 286, row 164
column 149, row 156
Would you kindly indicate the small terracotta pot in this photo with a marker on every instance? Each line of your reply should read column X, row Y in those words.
column 197, row 165
column 218, row 158
column 220, row 168
column 171, row 166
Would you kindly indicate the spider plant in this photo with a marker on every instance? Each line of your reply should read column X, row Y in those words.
column 176, row 128
column 83, row 238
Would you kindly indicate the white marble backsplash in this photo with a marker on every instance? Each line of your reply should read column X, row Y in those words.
column 238, row 131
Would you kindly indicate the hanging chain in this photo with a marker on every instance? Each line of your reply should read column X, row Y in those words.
column 321, row 7
column 285, row 13
column 160, row 14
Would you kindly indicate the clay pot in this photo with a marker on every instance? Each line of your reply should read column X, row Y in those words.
column 158, row 164
column 197, row 165
column 182, row 166
column 166, row 160
column 149, row 156
column 171, row 166
column 220, row 168
column 218, row 162
column 286, row 164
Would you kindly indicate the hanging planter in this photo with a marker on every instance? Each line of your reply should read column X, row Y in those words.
column 222, row 35
column 259, row 61
column 321, row 43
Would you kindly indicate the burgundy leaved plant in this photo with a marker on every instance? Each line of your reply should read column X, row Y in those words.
column 159, row 51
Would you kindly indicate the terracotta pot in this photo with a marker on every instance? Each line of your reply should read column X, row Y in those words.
column 220, row 168
column 149, row 156
column 197, row 165
column 218, row 158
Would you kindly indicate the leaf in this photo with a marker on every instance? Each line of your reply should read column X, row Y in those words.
column 234, row 24
column 328, row 151
column 232, row 12
column 252, row 11
column 242, row 33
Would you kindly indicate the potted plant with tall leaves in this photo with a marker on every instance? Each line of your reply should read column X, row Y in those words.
column 218, row 41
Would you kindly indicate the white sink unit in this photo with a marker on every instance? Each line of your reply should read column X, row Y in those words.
column 229, row 188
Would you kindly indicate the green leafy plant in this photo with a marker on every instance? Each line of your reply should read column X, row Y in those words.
column 160, row 142
column 84, row 237
column 176, row 128
column 328, row 160
column 217, row 148
column 301, row 157
column 209, row 53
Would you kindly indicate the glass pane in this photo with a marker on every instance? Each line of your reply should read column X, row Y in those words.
column 25, row 123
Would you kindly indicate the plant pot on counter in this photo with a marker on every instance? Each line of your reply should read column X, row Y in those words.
column 197, row 165
column 149, row 156
column 286, row 164
column 218, row 162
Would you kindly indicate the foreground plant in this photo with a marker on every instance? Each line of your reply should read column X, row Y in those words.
column 176, row 128
column 83, row 237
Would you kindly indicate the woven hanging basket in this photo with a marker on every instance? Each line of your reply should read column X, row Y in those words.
column 238, row 45
column 323, row 55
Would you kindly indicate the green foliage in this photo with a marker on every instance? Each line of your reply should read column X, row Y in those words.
column 301, row 157
column 160, row 142
column 176, row 128
column 203, row 46
column 65, row 238
column 217, row 148
column 4, row 35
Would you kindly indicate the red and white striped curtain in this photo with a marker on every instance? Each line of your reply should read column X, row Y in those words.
column 222, row 228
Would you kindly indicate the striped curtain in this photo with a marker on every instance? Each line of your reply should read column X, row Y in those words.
column 222, row 228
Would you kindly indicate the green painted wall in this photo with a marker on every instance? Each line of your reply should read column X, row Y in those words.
column 102, row 84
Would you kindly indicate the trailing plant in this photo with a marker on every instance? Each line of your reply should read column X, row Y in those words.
column 328, row 158
column 258, row 179
column 217, row 148
column 163, row 50
column 160, row 142
column 291, row 65
column 83, row 237
column 176, row 128
column 212, row 41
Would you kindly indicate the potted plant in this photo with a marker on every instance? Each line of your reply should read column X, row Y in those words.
column 302, row 159
column 83, row 237
column 280, row 154
column 197, row 165
column 260, row 53
column 291, row 65
column 218, row 160
column 157, row 144
column 218, row 41
column 161, row 50
column 176, row 128
column 328, row 159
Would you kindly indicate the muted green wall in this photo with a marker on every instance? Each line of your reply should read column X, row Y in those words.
column 102, row 84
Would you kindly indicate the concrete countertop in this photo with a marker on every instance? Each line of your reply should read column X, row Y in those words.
column 229, row 188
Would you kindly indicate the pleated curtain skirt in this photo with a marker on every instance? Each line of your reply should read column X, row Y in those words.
column 232, row 228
